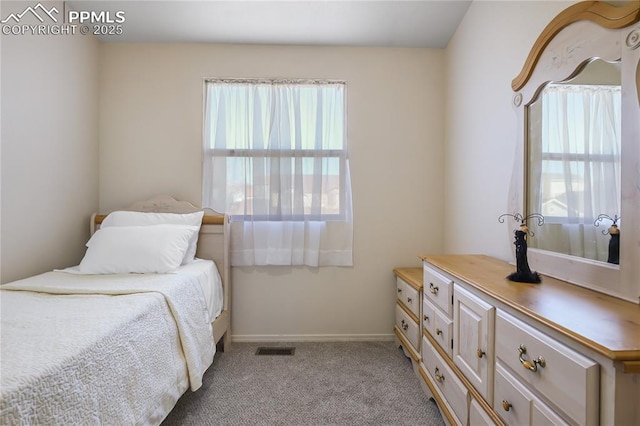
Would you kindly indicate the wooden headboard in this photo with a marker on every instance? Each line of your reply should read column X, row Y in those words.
column 213, row 240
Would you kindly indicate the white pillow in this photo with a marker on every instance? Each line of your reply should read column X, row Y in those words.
column 126, row 218
column 137, row 249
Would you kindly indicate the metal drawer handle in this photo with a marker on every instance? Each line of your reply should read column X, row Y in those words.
column 530, row 365
column 438, row 331
column 439, row 377
column 405, row 326
column 408, row 300
column 426, row 318
column 399, row 290
column 480, row 353
column 506, row 406
column 433, row 289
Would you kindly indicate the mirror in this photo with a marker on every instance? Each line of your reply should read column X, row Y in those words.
column 573, row 145
column 590, row 43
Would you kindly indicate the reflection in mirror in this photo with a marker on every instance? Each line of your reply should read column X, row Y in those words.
column 573, row 167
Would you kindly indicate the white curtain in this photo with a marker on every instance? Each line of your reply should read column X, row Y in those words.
column 275, row 159
column 579, row 175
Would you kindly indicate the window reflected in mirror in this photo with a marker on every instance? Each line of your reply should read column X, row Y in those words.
column 573, row 167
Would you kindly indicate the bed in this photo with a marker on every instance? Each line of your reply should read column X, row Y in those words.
column 87, row 346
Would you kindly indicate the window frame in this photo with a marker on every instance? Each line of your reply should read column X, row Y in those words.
column 341, row 154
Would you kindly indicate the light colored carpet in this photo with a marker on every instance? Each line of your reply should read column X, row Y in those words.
column 342, row 383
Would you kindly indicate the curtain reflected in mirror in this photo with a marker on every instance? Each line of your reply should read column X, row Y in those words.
column 573, row 167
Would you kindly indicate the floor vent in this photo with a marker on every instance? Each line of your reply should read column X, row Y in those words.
column 275, row 351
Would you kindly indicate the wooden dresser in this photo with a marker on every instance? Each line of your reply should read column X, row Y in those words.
column 492, row 351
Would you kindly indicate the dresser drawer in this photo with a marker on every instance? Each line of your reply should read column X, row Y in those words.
column 511, row 401
column 517, row 406
column 438, row 289
column 428, row 315
column 562, row 375
column 438, row 325
column 410, row 328
column 443, row 332
column 445, row 379
column 409, row 296
column 477, row 416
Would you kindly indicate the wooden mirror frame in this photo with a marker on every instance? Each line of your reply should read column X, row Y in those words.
column 579, row 34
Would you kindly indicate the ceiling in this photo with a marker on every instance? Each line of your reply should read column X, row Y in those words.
column 398, row 23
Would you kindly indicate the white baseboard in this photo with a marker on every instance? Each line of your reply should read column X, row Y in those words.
column 312, row 337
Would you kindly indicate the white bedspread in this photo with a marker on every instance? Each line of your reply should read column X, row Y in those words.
column 208, row 277
column 91, row 349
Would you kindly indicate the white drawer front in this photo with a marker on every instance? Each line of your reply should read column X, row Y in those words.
column 510, row 401
column 438, row 289
column 451, row 387
column 542, row 415
column 409, row 296
column 477, row 416
column 443, row 332
column 428, row 315
column 562, row 375
column 409, row 327
column 517, row 406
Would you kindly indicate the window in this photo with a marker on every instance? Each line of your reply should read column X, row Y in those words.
column 275, row 159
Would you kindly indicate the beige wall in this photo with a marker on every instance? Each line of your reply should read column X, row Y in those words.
column 151, row 99
column 49, row 150
column 485, row 54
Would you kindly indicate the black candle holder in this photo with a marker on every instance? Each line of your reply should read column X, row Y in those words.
column 614, row 232
column 523, row 273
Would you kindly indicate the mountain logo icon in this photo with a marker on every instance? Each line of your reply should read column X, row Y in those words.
column 39, row 11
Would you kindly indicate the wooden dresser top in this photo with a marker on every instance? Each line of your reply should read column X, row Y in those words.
column 412, row 276
column 605, row 324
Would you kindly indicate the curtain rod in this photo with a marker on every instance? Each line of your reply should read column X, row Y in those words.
column 271, row 81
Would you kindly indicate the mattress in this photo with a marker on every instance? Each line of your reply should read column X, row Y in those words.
column 104, row 349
